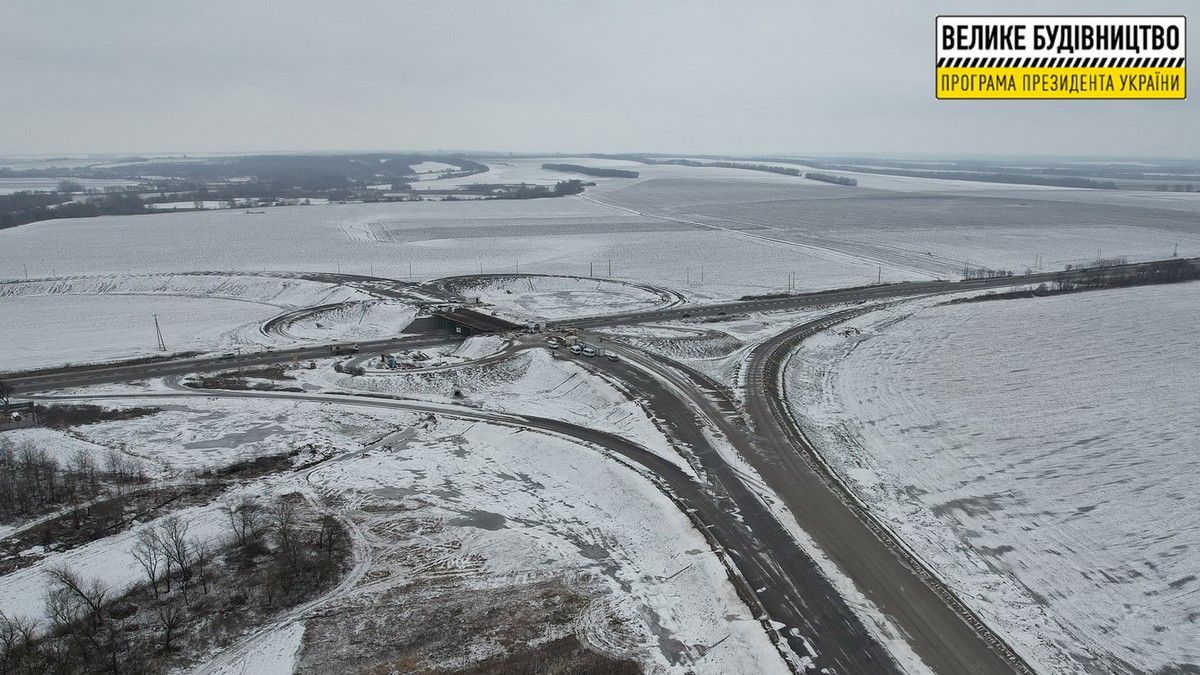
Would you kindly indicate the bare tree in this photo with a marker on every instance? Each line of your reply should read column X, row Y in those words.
column 283, row 522
column 6, row 392
column 78, row 609
column 17, row 643
column 244, row 516
column 147, row 551
column 203, row 556
column 117, row 466
column 171, row 615
column 331, row 539
column 76, row 600
column 175, row 545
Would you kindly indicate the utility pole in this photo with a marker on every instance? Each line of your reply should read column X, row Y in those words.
column 27, row 266
column 689, row 276
column 409, row 270
column 591, row 271
column 879, row 277
column 1173, row 255
column 158, row 331
column 702, row 275
column 610, row 265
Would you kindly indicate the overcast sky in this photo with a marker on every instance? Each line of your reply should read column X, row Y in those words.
column 643, row 75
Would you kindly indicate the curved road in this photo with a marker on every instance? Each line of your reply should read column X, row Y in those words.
column 753, row 555
column 943, row 632
column 792, row 586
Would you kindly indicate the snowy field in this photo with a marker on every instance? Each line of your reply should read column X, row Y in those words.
column 531, row 382
column 47, row 331
column 711, row 233
column 361, row 320
column 278, row 291
column 111, row 317
column 530, row 171
column 935, row 231
column 1040, row 453
column 432, row 167
column 431, row 239
column 551, row 297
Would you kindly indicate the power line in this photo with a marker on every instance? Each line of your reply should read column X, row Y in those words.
column 158, row 331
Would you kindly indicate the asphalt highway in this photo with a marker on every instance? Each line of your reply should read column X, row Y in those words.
column 835, row 297
column 78, row 376
column 786, row 582
column 794, row 590
column 944, row 633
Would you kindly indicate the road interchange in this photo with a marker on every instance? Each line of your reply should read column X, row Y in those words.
column 774, row 571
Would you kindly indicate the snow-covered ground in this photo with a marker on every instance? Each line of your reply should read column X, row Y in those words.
column 528, row 507
column 278, row 291
column 445, row 504
column 531, row 382
column 274, row 655
column 196, row 434
column 359, row 320
column 432, row 359
column 1039, row 453
column 710, row 233
column 909, row 225
column 511, row 171
column 111, row 317
column 48, row 331
column 551, row 297
column 109, row 560
column 717, row 349
column 432, row 167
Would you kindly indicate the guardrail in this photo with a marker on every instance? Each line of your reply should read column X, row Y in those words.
column 780, row 352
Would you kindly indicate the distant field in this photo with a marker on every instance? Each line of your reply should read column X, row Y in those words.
column 709, row 232
column 1040, row 453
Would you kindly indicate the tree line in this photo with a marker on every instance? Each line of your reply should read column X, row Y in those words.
column 770, row 168
column 831, row 178
column 29, row 207
column 1101, row 276
column 1007, row 177
column 592, row 170
column 32, row 481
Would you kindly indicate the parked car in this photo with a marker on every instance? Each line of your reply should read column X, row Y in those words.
column 576, row 349
column 612, row 356
column 589, row 351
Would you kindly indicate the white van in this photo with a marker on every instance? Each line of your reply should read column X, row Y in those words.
column 589, row 351
column 576, row 349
